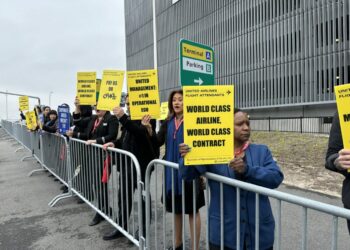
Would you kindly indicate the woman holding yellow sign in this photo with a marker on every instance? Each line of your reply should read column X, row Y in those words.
column 252, row 163
column 171, row 134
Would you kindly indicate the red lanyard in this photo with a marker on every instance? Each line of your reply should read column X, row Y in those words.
column 242, row 149
column 177, row 125
column 96, row 124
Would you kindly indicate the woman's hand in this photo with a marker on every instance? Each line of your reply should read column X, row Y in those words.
column 108, row 145
column 69, row 133
column 184, row 149
column 146, row 121
column 343, row 160
column 89, row 142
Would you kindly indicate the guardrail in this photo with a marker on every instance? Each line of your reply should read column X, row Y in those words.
column 319, row 125
column 80, row 168
column 303, row 203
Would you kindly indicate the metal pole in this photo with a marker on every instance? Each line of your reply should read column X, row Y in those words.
column 154, row 35
column 7, row 111
column 15, row 94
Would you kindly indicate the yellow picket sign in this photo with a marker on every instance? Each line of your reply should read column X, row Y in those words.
column 23, row 103
column 143, row 93
column 86, row 88
column 111, row 89
column 209, row 124
column 342, row 93
column 163, row 111
column 31, row 120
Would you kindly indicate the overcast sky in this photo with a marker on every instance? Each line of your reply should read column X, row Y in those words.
column 45, row 42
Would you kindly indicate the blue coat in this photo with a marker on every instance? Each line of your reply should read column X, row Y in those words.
column 261, row 170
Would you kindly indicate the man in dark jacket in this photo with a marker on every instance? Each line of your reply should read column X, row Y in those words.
column 135, row 139
column 338, row 160
column 101, row 128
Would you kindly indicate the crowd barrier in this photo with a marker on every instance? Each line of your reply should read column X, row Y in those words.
column 102, row 179
column 82, row 168
column 153, row 237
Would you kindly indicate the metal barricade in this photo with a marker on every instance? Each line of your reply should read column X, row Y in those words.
column 153, row 240
column 113, row 198
column 8, row 126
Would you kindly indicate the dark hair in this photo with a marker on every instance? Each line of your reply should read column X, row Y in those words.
column 45, row 107
column 52, row 112
column 85, row 110
column 170, row 101
column 37, row 108
column 237, row 110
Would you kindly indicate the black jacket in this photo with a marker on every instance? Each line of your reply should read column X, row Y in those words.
column 136, row 140
column 51, row 126
column 335, row 144
column 105, row 132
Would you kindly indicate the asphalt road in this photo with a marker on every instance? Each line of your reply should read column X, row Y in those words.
column 27, row 222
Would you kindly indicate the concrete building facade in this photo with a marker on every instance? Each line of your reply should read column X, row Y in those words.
column 283, row 56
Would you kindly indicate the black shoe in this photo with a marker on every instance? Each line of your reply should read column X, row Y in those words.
column 115, row 234
column 80, row 201
column 97, row 219
column 176, row 248
column 64, row 190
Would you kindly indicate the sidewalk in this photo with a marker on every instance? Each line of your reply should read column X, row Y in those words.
column 27, row 222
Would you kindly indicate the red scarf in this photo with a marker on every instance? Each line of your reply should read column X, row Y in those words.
column 96, row 124
column 240, row 151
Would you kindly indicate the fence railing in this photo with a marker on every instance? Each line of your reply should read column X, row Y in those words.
column 320, row 125
column 109, row 181
column 154, row 238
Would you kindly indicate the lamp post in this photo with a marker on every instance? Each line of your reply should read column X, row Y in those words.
column 50, row 98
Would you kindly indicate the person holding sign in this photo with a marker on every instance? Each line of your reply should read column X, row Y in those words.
column 252, row 163
column 101, row 128
column 338, row 160
column 171, row 134
column 135, row 139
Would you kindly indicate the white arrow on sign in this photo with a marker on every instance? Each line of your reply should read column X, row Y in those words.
column 199, row 81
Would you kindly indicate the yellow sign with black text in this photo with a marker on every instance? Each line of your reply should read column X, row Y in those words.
column 31, row 120
column 23, row 103
column 163, row 111
column 342, row 93
column 86, row 88
column 111, row 89
column 209, row 124
column 143, row 94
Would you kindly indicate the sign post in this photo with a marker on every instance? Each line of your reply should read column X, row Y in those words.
column 196, row 64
